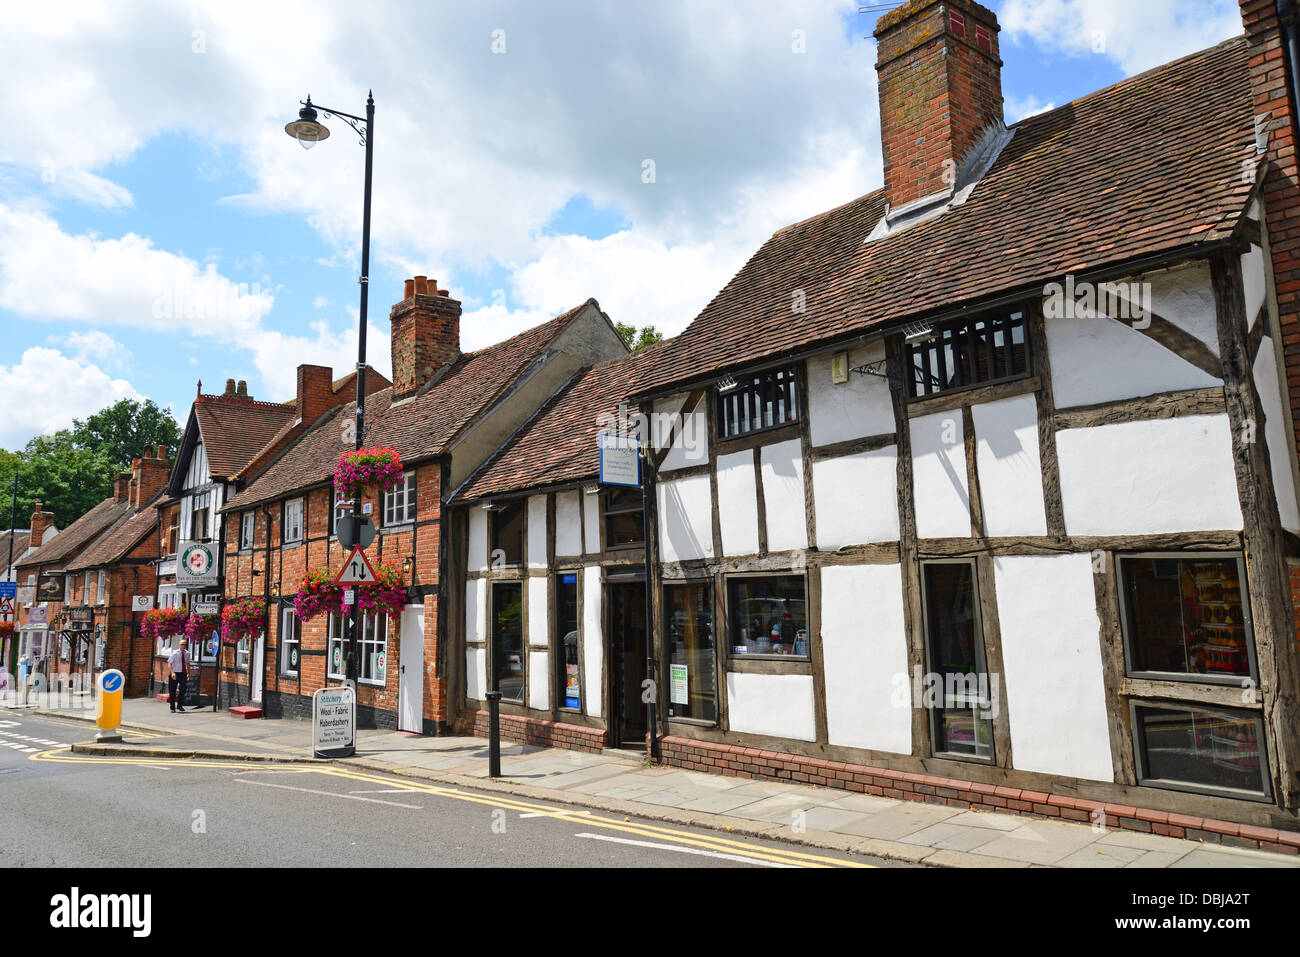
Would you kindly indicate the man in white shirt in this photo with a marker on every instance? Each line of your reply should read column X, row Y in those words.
column 179, row 662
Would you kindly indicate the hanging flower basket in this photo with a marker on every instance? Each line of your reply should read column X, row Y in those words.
column 6, row 630
column 243, row 619
column 378, row 466
column 319, row 594
column 198, row 628
column 164, row 623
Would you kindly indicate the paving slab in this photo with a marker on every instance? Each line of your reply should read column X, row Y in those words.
column 1232, row 857
column 1101, row 855
column 896, row 823
column 1040, row 842
column 952, row 837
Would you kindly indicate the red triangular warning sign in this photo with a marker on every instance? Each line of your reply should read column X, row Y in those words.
column 357, row 570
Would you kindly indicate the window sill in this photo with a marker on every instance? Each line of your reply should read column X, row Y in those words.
column 408, row 526
column 767, row 434
column 1234, row 794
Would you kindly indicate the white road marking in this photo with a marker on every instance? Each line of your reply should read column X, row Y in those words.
column 552, row 814
column 334, row 794
column 683, row 850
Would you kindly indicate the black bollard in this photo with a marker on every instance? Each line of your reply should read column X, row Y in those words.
column 494, row 734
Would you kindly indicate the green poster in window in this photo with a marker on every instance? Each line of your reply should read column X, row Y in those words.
column 678, row 689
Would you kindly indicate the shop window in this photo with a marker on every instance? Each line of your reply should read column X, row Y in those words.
column 508, row 640
column 1185, row 615
column 958, row 691
column 507, row 534
column 760, row 401
column 372, row 648
column 292, row 521
column 290, row 642
column 246, row 524
column 568, row 664
column 769, row 616
column 968, row 352
column 624, row 512
column 399, row 503
column 692, row 656
column 1195, row 748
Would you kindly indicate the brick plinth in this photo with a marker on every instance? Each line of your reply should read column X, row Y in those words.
column 546, row 734
column 910, row 786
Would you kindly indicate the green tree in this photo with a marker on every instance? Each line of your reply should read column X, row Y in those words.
column 638, row 339
column 65, row 478
column 124, row 430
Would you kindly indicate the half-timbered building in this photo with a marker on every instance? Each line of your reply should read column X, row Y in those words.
column 978, row 488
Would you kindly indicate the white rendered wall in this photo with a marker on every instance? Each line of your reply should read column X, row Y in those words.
column 1252, row 277
column 538, row 613
column 537, row 531
column 1154, row 475
column 783, row 499
column 939, row 476
column 865, row 658
column 779, row 705
column 1051, row 651
column 475, row 673
column 854, row 409
column 476, row 609
column 1275, row 432
column 1010, row 471
column 685, row 519
column 691, row 445
column 568, row 524
column 591, row 521
column 539, row 684
column 1097, row 359
column 593, row 646
column 856, row 498
column 477, row 539
column 738, row 503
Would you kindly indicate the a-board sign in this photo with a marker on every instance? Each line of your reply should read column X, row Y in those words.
column 334, row 723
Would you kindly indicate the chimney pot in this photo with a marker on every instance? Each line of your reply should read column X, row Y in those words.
column 230, row 387
column 409, row 291
column 242, row 389
column 421, row 285
column 445, row 292
column 162, row 451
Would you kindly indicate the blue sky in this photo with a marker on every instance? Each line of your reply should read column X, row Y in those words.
column 146, row 168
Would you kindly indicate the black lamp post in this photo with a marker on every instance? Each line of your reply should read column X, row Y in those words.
column 308, row 132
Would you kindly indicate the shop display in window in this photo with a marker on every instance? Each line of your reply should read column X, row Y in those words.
column 769, row 616
column 566, row 603
column 1186, row 616
column 692, row 655
column 1201, row 748
column 962, row 717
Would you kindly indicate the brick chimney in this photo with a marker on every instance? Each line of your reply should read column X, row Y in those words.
column 940, row 84
column 122, row 486
column 40, row 523
column 426, row 334
column 315, row 392
column 148, row 475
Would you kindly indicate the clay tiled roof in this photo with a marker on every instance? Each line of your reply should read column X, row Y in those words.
column 1149, row 166
column 419, row 428
column 21, row 539
column 119, row 540
column 236, row 429
column 80, row 533
column 559, row 443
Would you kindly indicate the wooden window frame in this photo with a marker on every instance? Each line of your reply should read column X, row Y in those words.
column 949, row 336
column 735, row 409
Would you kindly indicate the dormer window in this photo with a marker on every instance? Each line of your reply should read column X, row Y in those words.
column 967, row 352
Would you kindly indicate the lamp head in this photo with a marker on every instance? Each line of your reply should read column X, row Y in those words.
column 305, row 129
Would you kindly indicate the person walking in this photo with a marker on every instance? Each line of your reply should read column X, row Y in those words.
column 179, row 662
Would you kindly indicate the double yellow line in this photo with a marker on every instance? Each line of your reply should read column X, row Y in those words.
column 719, row 845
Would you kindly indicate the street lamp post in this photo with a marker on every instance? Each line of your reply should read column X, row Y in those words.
column 308, row 132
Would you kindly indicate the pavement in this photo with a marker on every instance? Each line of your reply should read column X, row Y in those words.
column 623, row 782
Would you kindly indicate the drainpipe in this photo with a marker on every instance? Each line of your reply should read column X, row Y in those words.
column 1286, row 16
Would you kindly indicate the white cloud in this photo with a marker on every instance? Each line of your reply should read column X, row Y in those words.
column 1136, row 36
column 98, row 346
column 47, row 390
column 1018, row 108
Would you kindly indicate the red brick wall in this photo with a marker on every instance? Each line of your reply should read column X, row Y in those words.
column 289, row 563
column 535, row 731
column 1281, row 188
column 425, row 337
